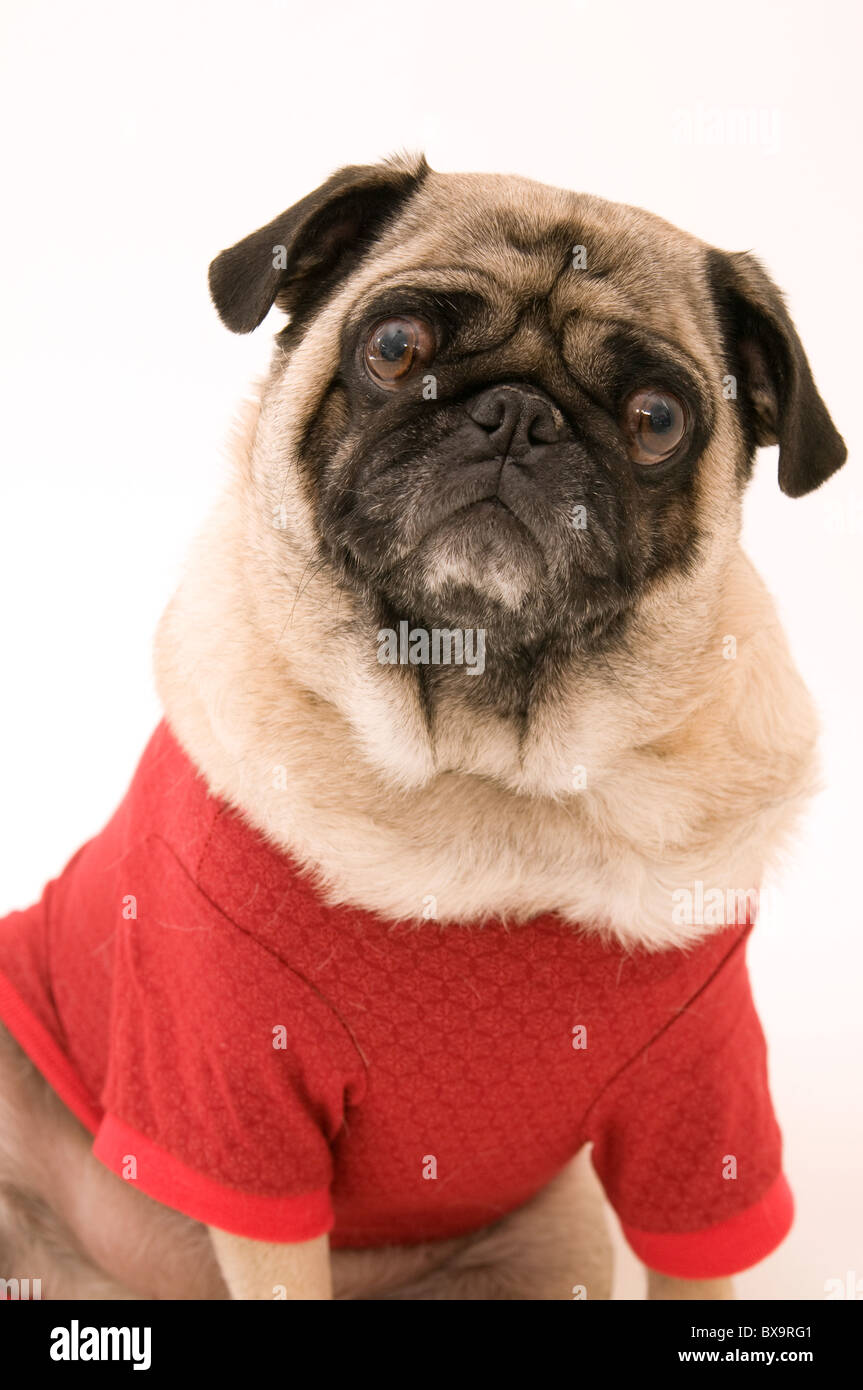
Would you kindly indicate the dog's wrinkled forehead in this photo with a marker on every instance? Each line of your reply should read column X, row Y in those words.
column 521, row 244
column 569, row 263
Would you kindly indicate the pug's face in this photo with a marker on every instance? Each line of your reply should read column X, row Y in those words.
column 520, row 408
column 483, row 467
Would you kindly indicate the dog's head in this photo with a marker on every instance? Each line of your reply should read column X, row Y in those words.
column 510, row 407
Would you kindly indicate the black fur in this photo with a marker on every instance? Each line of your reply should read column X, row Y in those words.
column 779, row 402
column 391, row 470
column 324, row 235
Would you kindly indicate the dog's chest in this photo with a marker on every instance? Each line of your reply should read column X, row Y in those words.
column 475, row 1053
column 484, row 1050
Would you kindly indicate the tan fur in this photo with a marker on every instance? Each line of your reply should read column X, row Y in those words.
column 696, row 765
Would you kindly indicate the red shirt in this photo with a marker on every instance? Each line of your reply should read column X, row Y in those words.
column 280, row 1068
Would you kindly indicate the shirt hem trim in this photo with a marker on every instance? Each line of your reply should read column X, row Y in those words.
column 284, row 1220
column 726, row 1248
column 47, row 1055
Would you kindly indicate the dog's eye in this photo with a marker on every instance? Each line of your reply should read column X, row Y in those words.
column 654, row 423
column 396, row 348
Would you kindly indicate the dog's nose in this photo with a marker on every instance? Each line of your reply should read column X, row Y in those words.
column 517, row 418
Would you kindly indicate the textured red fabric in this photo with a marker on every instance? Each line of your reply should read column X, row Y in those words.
column 278, row 1067
column 738, row 1241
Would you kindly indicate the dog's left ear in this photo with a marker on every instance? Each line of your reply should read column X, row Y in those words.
column 780, row 400
column 299, row 257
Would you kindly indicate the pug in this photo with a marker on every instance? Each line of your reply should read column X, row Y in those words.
column 480, row 736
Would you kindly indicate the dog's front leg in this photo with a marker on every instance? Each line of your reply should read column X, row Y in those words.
column 662, row 1286
column 255, row 1269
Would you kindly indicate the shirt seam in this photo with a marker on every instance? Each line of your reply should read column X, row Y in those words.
column 308, row 984
column 739, row 945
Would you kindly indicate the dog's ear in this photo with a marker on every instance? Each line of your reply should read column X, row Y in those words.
column 299, row 257
column 779, row 398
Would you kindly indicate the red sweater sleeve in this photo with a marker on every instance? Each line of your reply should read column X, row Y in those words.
column 228, row 1075
column 686, row 1142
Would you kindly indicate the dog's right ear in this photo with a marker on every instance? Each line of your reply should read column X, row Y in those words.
column 299, row 257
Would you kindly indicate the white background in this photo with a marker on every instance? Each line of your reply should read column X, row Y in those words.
column 140, row 140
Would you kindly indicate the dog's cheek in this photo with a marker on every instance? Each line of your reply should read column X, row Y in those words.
column 669, row 534
column 325, row 432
